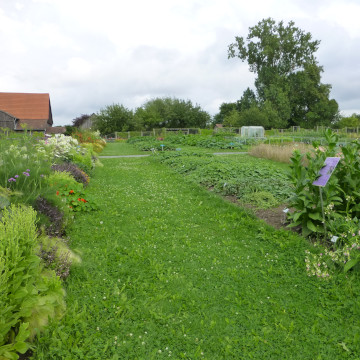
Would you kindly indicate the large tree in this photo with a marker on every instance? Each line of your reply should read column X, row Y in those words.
column 282, row 57
column 114, row 118
column 171, row 113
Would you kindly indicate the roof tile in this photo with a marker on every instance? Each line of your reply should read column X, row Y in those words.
column 26, row 106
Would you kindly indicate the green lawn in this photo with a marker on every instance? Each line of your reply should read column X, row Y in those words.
column 120, row 148
column 171, row 270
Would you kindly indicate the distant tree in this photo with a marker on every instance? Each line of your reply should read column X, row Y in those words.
column 254, row 117
column 232, row 119
column 288, row 76
column 352, row 121
column 69, row 130
column 225, row 110
column 113, row 118
column 171, row 113
column 247, row 100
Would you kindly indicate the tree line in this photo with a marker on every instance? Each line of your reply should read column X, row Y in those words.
column 287, row 91
column 156, row 113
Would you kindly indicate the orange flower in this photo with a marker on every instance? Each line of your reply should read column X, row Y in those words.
column 57, row 193
column 71, row 191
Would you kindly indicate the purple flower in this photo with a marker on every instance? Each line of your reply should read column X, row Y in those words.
column 27, row 169
column 42, row 175
column 12, row 179
column 26, row 173
column 16, row 176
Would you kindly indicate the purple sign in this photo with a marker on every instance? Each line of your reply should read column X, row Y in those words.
column 326, row 171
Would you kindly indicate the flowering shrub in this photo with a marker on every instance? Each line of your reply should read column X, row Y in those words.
column 60, row 145
column 76, row 199
column 321, row 264
column 23, row 170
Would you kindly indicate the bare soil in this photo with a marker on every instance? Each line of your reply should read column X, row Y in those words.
column 274, row 216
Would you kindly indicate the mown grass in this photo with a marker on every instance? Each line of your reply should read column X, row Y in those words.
column 172, row 271
column 120, row 148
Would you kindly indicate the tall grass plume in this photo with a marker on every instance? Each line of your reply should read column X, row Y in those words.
column 281, row 153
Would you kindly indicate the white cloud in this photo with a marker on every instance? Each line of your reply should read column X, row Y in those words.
column 345, row 15
column 88, row 54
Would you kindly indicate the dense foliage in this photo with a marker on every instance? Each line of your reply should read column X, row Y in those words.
column 253, row 181
column 171, row 113
column 156, row 113
column 113, row 118
column 174, row 142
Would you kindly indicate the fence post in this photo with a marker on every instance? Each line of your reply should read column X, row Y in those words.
column 154, row 132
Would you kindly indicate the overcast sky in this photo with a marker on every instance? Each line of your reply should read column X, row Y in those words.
column 88, row 54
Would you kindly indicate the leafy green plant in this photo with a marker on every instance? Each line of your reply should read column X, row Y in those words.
column 306, row 200
column 76, row 198
column 28, row 296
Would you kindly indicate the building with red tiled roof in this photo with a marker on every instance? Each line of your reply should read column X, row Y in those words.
column 32, row 110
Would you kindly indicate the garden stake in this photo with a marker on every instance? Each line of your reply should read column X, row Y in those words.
column 322, row 210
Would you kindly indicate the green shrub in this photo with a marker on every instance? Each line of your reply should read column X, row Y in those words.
column 28, row 295
column 83, row 157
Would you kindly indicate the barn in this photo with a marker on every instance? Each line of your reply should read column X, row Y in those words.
column 30, row 110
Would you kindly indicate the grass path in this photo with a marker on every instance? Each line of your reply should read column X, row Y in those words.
column 172, row 271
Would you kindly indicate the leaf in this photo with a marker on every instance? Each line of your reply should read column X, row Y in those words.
column 21, row 347
column 305, row 231
column 310, row 225
column 315, row 216
column 350, row 264
column 296, row 216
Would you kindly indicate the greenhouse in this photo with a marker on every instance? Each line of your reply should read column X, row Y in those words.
column 253, row 131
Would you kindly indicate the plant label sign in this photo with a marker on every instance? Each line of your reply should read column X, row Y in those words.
column 326, row 171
